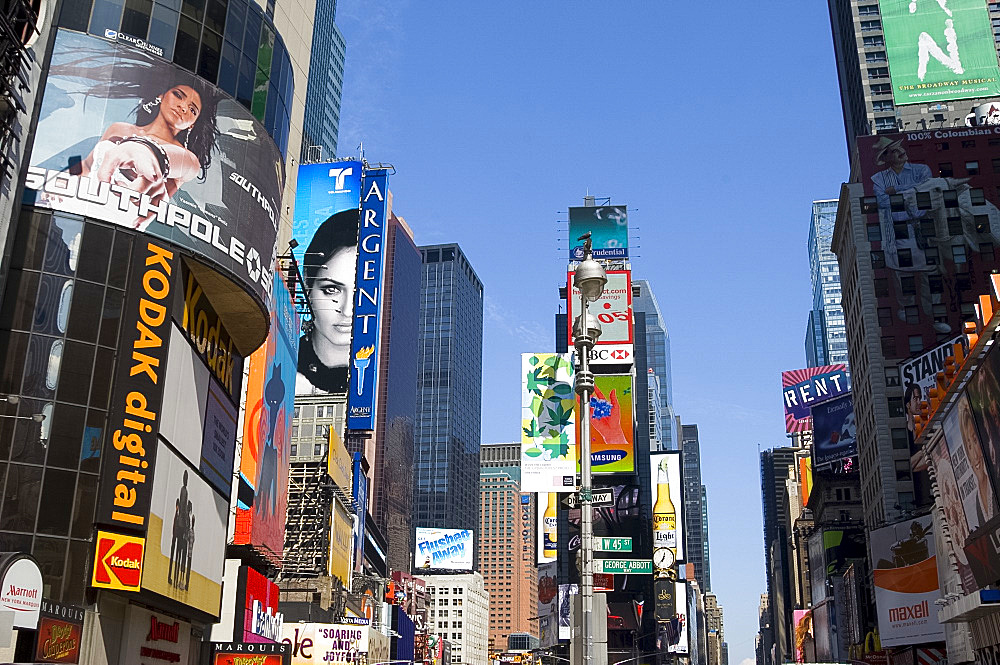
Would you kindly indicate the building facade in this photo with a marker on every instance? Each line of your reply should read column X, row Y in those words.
column 866, row 84
column 658, row 353
column 695, row 508
column 507, row 544
column 459, row 613
column 449, row 391
column 716, row 633
column 774, row 470
column 826, row 334
column 321, row 121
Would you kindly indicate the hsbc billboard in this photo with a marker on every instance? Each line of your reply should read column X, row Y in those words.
column 612, row 354
column 613, row 310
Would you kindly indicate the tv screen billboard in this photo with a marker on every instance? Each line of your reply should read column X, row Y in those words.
column 665, row 477
column 608, row 227
column 834, row 434
column 134, row 140
column 939, row 51
column 443, row 549
column 612, row 442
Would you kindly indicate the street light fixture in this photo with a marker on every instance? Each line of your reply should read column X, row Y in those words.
column 590, row 278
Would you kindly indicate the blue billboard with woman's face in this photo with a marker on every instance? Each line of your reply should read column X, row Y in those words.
column 326, row 219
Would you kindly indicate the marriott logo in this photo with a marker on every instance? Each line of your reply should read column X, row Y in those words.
column 908, row 613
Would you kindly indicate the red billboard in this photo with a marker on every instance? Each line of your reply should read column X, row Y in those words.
column 257, row 597
column 802, row 389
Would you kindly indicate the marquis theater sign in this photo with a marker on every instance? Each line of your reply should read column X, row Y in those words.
column 59, row 630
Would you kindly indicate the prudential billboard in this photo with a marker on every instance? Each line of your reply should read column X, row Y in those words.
column 939, row 51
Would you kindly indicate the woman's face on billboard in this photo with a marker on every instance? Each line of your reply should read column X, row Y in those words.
column 332, row 300
column 180, row 107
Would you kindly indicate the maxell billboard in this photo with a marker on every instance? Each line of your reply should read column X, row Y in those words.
column 939, row 51
column 365, row 349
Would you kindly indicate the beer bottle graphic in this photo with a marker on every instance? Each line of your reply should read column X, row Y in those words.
column 664, row 514
column 549, row 525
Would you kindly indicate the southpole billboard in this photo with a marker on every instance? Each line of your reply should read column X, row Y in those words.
column 804, row 388
column 327, row 214
column 939, row 51
column 368, row 303
column 548, row 423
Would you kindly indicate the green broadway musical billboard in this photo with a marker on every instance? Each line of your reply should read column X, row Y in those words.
column 939, row 50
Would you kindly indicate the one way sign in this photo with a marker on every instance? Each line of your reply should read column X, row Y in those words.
column 600, row 498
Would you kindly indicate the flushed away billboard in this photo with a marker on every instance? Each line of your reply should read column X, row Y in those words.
column 263, row 484
column 134, row 140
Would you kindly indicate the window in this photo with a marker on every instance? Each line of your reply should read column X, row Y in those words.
column 874, row 233
column 954, row 226
column 878, row 259
column 940, row 313
column 900, row 437
column 868, row 10
column 945, row 170
column 908, row 286
column 881, row 287
column 875, row 56
column 881, row 89
column 885, row 124
column 905, row 258
column 896, row 203
column 879, row 73
column 924, row 201
column 931, row 254
column 986, row 250
column 971, row 167
column 889, row 345
column 958, row 253
column 891, row 377
column 912, row 315
column 982, row 223
column 884, row 316
column 950, row 197
column 895, row 407
column 874, row 40
column 901, row 230
column 868, row 26
column 916, row 343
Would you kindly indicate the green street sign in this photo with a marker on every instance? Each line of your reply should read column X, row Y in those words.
column 624, row 566
column 613, row 545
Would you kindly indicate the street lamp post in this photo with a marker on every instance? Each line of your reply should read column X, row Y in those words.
column 590, row 278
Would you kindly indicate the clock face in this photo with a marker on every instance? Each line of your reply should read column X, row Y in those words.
column 663, row 558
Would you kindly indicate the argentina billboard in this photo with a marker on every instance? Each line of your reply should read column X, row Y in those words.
column 133, row 140
column 939, row 51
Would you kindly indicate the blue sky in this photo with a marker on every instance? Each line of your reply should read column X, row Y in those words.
column 717, row 123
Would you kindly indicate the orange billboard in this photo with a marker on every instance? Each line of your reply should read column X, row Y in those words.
column 117, row 561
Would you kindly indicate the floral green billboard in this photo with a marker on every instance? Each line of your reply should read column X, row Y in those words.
column 939, row 50
column 548, row 423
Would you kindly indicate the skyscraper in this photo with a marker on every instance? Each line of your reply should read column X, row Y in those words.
column 506, row 561
column 658, row 354
column 321, row 123
column 826, row 334
column 866, row 83
column 695, row 508
column 449, row 391
column 774, row 465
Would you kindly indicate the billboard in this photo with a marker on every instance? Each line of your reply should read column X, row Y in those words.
column 668, row 491
column 117, row 562
column 672, row 635
column 443, row 549
column 548, row 590
column 326, row 222
column 133, row 417
column 612, row 445
column 608, row 227
column 150, row 635
column 186, row 543
column 333, row 643
column 804, row 388
column 339, row 463
column 262, row 496
column 613, row 310
column 341, row 544
column 548, row 432
column 257, row 599
column 244, row 653
column 984, row 398
column 547, row 523
column 918, row 375
column 365, row 342
column 132, row 139
column 950, row 501
column 835, row 435
column 969, row 463
column 906, row 582
column 939, row 51
column 359, row 490
column 805, row 640
column 566, row 592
